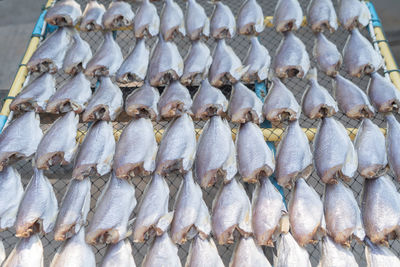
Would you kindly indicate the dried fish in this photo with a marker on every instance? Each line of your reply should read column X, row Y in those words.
column 172, row 20
column 322, row 16
column 197, row 63
column 142, row 102
column 250, row 20
column 392, row 144
column 383, row 95
column 27, row 252
column 119, row 254
column 119, row 14
column 175, row 100
column 203, row 252
column 327, row 55
column 259, row 61
column 222, row 22
column 196, row 21
column 379, row 255
column 146, row 22
column 244, row 105
column 290, row 253
column 353, row 14
column 162, row 252
column 288, row 15
column 92, row 16
column 335, row 255
column 64, row 13
column 248, row 253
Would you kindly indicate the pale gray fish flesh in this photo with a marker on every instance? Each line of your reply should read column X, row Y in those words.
column 259, row 61
column 172, row 21
column 146, row 22
column 203, row 252
column 378, row 256
column 77, row 56
column 250, row 20
column 196, row 21
column 92, row 17
column 64, row 13
column 197, row 63
column 119, row 254
column 290, row 254
column 142, row 102
column 392, row 144
column 119, row 14
column 162, row 252
column 27, row 252
column 327, row 55
column 353, row 14
column 248, row 254
column 244, row 105
column 383, row 95
column 288, row 15
column 321, row 16
column 222, row 21
column 174, row 101
column 335, row 255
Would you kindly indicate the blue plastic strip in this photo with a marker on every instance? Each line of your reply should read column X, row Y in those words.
column 3, row 120
column 376, row 22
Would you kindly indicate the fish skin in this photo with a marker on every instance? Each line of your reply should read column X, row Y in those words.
column 288, row 16
column 321, row 16
column 109, row 223
column 280, row 103
column 222, row 22
column 341, row 161
column 166, row 64
column 92, row 17
column 393, row 144
column 27, row 252
column 134, row 68
column 352, row 101
column 215, row 155
column 231, row 210
column 12, row 191
column 267, row 211
column 153, row 208
column 248, row 253
column 52, row 150
column 335, row 255
column 136, row 150
column 146, row 22
column 172, row 21
column 74, row 252
column 197, row 24
column 178, row 147
column 142, row 102
column 64, row 13
column 342, row 214
column 203, row 252
column 371, row 150
column 290, row 253
column 38, row 209
column 259, row 61
column 359, row 56
column 380, row 208
column 35, row 96
column 379, row 255
column 73, row 95
column 327, row 55
column 20, row 139
column 174, row 101
column 191, row 216
column 119, row 254
column 316, row 101
column 107, row 59
column 106, row 102
column 74, row 209
column 49, row 56
column 208, row 101
column 250, row 20
column 254, row 158
column 226, row 67
column 77, row 56
column 383, row 95
column 353, row 14
column 162, row 252
column 197, row 63
column 291, row 59
column 119, row 14
column 306, row 214
column 244, row 105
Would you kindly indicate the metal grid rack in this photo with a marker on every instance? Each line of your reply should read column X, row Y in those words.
column 59, row 176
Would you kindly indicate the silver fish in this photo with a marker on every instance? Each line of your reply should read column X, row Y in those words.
column 20, row 139
column 335, row 255
column 196, row 21
column 392, row 144
column 174, row 101
column 64, row 13
column 146, row 22
column 2, row 252
column 215, row 155
column 53, row 150
column 191, row 214
column 255, row 159
column 119, row 254
column 244, row 105
column 49, row 56
column 267, row 211
column 113, row 209
column 231, row 210
column 38, row 209
column 351, row 100
column 290, row 253
column 280, row 103
column 250, row 20
column 106, row 103
column 383, row 95
column 178, row 147
column 377, row 256
column 27, row 252
column 136, row 150
column 119, row 14
column 203, row 252
column 380, row 209
column 172, row 20
column 342, row 214
column 334, row 153
column 134, row 69
column 35, row 95
column 208, row 101
column 248, row 253
column 322, row 16
column 291, row 58
column 288, row 15
column 153, row 210
column 353, row 14
column 166, row 63
column 316, row 101
column 11, row 190
column 142, row 102
column 222, row 22
column 259, row 61
column 74, row 209
column 73, row 95
column 92, row 17
column 162, row 252
column 371, row 150
column 74, row 252
column 226, row 66
column 77, row 56
column 327, row 55
column 197, row 63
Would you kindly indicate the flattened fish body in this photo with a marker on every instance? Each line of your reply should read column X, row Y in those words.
column 259, row 61
column 146, row 22
column 288, row 15
column 142, row 102
column 162, row 252
column 64, row 13
column 248, row 253
column 244, row 105
column 377, row 256
column 335, row 255
column 174, row 101
column 196, row 21
column 353, row 14
column 92, row 17
column 327, row 55
column 250, row 20
column 77, row 56
column 197, row 63
column 119, row 254
column 383, row 95
column 290, row 253
column 172, row 20
column 203, row 252
column 322, row 16
column 119, row 14
column 223, row 23
column 27, row 252
column 393, row 144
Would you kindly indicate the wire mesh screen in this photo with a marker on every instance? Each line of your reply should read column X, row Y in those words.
column 59, row 176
